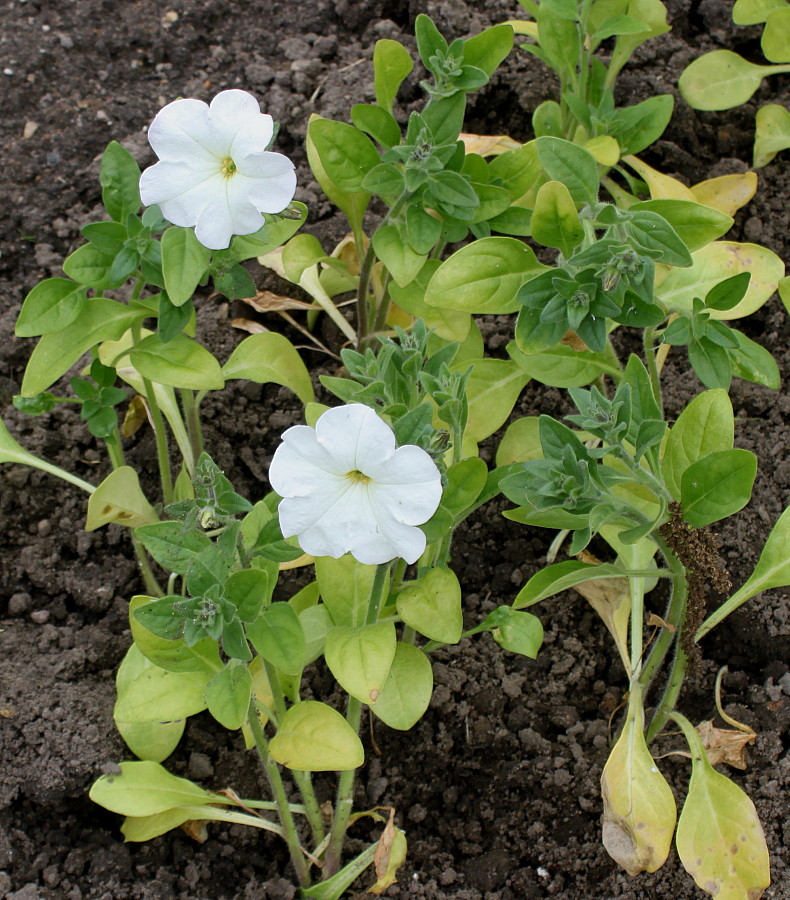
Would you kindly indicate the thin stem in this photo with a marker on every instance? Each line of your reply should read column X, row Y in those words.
column 280, row 797
column 669, row 698
column 160, row 434
column 652, row 365
column 674, row 615
column 637, row 589
column 115, row 452
column 345, row 786
column 365, row 270
column 192, row 417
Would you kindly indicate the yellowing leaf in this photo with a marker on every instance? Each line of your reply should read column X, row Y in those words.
column 604, row 149
column 720, row 840
column 727, row 193
column 661, row 186
column 677, row 288
column 638, row 805
column 313, row 737
column 488, row 144
column 611, row 599
column 120, row 499
column 523, row 26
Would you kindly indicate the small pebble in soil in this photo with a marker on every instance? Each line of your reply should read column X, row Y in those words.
column 199, row 766
column 19, row 603
column 40, row 616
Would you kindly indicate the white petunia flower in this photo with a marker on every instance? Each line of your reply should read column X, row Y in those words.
column 347, row 488
column 214, row 171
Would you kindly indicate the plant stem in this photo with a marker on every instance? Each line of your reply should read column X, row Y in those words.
column 192, row 416
column 364, row 273
column 648, row 338
column 115, row 452
column 303, row 780
column 160, row 434
column 345, row 785
column 280, row 797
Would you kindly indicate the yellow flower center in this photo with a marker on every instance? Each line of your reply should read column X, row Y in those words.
column 358, row 477
column 228, row 167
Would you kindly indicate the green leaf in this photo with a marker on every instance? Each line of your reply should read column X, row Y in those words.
column 345, row 152
column 572, row 165
column 465, row 482
column 316, row 623
column 98, row 320
column 560, row 577
column 248, row 590
column 637, row 127
column 558, row 40
column 772, row 570
column 407, row 690
column 146, row 788
column 721, row 80
column 147, row 693
column 429, row 40
column 152, row 740
column 518, row 170
column 719, row 838
column 772, row 133
column 653, row 13
column 775, row 41
column 119, row 499
column 714, row 262
column 398, row 257
column 391, row 64
column 754, row 363
column 184, row 263
column 717, row 486
column 361, row 658
column 483, row 277
column 492, row 390
column 385, row 180
column 520, row 443
column 519, row 632
column 120, row 181
column 180, row 363
column 753, row 12
column 564, row 367
column 105, row 236
column 172, row 655
column 658, row 239
column 171, row 546
column 432, row 606
column 489, row 48
column 313, row 737
column 52, row 305
column 555, row 222
column 267, row 358
column 278, row 636
column 449, row 324
column 352, row 203
column 228, row 695
column 695, row 224
column 377, row 122
column 705, row 426
column 345, row 586
column 89, row 266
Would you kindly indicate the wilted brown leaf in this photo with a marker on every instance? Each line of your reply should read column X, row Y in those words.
column 488, row 144
column 658, row 622
column 725, row 745
column 267, row 301
column 248, row 325
column 196, row 829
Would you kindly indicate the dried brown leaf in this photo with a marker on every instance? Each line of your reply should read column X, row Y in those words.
column 725, row 745
column 136, row 415
column 248, row 325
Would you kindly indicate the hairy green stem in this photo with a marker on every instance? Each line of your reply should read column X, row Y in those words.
column 280, row 797
column 648, row 338
column 345, row 787
column 192, row 417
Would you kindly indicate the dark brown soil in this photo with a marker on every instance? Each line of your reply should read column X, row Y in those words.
column 497, row 787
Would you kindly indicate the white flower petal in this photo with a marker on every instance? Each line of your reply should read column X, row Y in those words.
column 253, row 135
column 220, row 219
column 169, row 180
column 229, row 110
column 182, row 132
column 266, row 180
column 410, row 504
column 356, row 436
column 297, row 459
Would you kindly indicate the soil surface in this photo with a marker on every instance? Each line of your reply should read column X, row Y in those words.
column 498, row 786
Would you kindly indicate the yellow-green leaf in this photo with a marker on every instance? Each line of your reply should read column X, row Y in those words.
column 270, row 357
column 313, row 737
column 119, row 498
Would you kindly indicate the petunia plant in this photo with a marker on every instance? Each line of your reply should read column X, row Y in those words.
column 127, row 298
column 368, row 489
